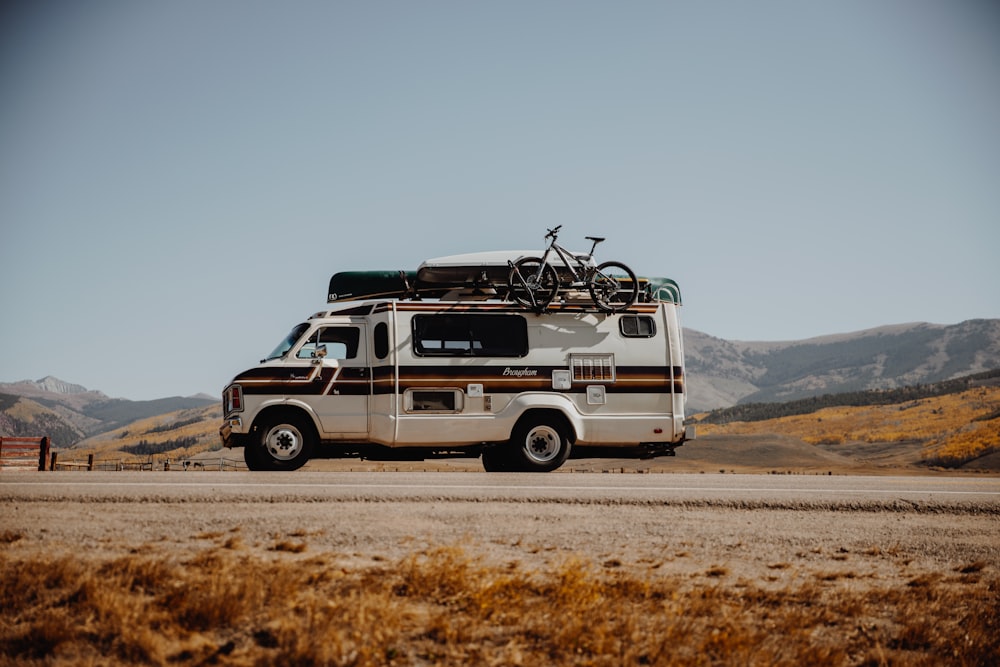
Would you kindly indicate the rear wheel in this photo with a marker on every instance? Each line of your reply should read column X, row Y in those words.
column 282, row 442
column 532, row 288
column 540, row 444
column 614, row 287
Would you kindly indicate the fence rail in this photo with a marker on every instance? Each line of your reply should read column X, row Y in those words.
column 18, row 453
column 120, row 464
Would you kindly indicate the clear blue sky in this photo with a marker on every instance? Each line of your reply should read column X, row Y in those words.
column 179, row 179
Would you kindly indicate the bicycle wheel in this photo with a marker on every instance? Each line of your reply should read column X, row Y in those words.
column 529, row 286
column 613, row 287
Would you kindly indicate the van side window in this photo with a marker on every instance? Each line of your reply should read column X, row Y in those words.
column 637, row 326
column 340, row 342
column 381, row 336
column 470, row 335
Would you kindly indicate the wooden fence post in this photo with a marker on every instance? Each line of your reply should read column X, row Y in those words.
column 52, row 463
column 43, row 453
column 90, row 462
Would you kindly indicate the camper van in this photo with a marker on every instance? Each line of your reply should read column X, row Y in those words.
column 436, row 363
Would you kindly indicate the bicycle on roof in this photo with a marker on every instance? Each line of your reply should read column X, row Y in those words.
column 534, row 281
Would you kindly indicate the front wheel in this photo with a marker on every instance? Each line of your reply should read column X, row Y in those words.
column 497, row 459
column 282, row 443
column 532, row 283
column 540, row 444
column 253, row 457
column 613, row 287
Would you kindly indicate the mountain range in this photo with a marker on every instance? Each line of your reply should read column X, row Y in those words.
column 720, row 373
column 68, row 413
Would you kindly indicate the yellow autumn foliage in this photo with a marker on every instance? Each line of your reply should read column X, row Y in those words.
column 953, row 428
column 199, row 425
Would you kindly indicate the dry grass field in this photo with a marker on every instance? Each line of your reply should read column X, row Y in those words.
column 228, row 598
column 176, row 435
column 946, row 430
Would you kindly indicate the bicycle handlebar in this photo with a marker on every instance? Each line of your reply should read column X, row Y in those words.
column 552, row 232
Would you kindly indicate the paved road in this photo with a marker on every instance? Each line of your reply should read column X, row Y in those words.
column 923, row 493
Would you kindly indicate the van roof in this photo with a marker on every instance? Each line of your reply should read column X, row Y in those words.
column 473, row 276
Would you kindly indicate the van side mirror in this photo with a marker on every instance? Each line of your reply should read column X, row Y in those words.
column 319, row 352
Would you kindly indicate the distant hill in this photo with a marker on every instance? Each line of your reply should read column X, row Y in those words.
column 953, row 424
column 722, row 373
column 68, row 413
column 176, row 434
column 751, row 412
column 22, row 416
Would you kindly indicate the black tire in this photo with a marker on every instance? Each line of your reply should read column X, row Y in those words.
column 497, row 459
column 540, row 444
column 614, row 287
column 530, row 290
column 281, row 442
column 252, row 457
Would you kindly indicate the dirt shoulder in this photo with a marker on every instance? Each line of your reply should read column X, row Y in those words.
column 729, row 543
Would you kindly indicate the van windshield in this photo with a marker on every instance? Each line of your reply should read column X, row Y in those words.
column 285, row 345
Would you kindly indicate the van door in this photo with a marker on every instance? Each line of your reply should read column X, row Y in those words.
column 341, row 379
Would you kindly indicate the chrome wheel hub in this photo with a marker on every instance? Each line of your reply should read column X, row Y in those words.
column 283, row 442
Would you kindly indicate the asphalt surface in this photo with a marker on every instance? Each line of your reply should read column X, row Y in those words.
column 965, row 494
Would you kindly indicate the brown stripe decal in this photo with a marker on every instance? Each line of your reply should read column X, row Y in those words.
column 513, row 379
column 306, row 381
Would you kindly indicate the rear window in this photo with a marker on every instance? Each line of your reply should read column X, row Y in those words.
column 637, row 326
column 470, row 335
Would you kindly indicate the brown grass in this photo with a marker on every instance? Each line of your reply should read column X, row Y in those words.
column 953, row 429
column 158, row 429
column 443, row 606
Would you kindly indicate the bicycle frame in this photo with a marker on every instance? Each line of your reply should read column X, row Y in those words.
column 569, row 260
column 535, row 286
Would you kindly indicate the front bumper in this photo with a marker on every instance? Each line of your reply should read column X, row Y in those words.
column 227, row 434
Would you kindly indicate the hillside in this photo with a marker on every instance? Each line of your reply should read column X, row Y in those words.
column 179, row 434
column 762, row 411
column 24, row 417
column 959, row 429
column 722, row 373
column 68, row 413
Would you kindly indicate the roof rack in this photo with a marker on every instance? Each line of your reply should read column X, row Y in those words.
column 475, row 276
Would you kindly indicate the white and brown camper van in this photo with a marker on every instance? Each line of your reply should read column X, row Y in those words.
column 435, row 363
